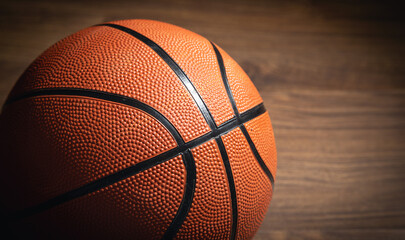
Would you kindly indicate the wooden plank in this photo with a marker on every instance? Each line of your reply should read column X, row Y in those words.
column 340, row 160
column 355, row 234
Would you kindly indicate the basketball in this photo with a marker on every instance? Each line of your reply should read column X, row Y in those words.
column 135, row 129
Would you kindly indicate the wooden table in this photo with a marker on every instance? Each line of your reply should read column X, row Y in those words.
column 332, row 75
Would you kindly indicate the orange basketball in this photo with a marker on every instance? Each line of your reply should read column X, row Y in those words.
column 135, row 129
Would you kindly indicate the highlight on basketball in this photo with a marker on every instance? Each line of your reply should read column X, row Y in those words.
column 135, row 129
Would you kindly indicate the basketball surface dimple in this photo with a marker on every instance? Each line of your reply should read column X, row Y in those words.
column 135, row 129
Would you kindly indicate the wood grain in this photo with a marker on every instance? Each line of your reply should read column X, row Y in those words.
column 331, row 74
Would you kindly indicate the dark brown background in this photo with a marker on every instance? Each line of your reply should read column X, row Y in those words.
column 331, row 73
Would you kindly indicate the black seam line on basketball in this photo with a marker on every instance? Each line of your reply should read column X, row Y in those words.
column 188, row 195
column 231, row 183
column 235, row 109
column 225, row 80
column 257, row 155
column 176, row 69
column 222, row 149
column 108, row 97
column 137, row 168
